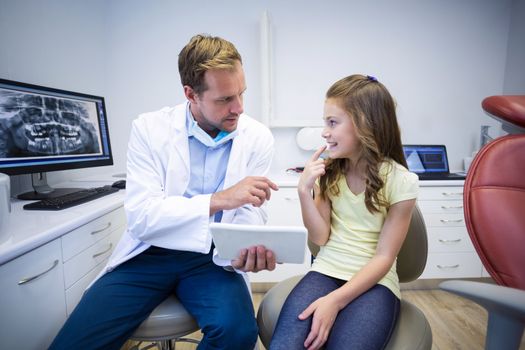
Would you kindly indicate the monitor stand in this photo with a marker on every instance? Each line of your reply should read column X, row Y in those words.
column 41, row 190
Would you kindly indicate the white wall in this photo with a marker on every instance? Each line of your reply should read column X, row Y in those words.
column 53, row 43
column 144, row 41
column 438, row 58
column 515, row 67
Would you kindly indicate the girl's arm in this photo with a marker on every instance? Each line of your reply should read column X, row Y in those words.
column 315, row 211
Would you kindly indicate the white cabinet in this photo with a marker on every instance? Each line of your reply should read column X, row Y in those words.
column 100, row 254
column 284, row 210
column 451, row 253
column 32, row 312
column 86, row 250
column 86, row 235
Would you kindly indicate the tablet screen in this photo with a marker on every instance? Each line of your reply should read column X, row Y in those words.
column 287, row 242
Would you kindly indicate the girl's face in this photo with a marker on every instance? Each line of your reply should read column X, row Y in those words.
column 339, row 132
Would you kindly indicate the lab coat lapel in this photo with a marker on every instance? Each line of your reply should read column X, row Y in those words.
column 178, row 162
column 180, row 137
column 236, row 169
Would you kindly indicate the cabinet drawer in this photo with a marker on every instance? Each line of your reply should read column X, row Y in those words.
column 444, row 220
column 32, row 312
column 452, row 265
column 441, row 193
column 284, row 208
column 81, row 238
column 82, row 263
column 441, row 206
column 453, row 239
column 75, row 292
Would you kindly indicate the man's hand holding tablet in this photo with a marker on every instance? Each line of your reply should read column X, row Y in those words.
column 287, row 243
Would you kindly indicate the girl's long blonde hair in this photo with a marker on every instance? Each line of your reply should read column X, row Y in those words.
column 373, row 112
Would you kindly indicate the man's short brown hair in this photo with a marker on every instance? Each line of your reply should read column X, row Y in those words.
column 202, row 53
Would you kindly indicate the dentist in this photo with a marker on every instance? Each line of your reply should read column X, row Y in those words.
column 187, row 166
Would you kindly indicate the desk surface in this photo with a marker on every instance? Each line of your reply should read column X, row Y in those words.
column 29, row 229
column 291, row 179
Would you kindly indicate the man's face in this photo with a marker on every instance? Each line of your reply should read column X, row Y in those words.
column 219, row 107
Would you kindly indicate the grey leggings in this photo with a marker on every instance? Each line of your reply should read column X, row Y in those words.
column 366, row 323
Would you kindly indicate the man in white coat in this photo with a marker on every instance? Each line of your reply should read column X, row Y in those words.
column 199, row 162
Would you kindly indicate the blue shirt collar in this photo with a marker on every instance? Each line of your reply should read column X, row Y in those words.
column 202, row 136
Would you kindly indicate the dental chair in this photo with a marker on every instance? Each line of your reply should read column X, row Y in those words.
column 412, row 330
column 494, row 206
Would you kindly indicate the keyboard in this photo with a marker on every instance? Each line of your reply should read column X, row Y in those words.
column 71, row 199
column 449, row 176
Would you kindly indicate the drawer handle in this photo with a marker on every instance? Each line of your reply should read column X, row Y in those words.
column 104, row 252
column 450, row 240
column 102, row 229
column 448, row 266
column 448, row 194
column 446, row 221
column 29, row 279
column 445, row 207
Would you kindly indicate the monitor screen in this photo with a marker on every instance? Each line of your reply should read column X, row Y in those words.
column 45, row 129
column 426, row 158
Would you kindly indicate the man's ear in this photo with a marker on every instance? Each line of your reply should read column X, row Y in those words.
column 190, row 94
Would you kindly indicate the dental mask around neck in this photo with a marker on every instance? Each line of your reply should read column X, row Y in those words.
column 222, row 137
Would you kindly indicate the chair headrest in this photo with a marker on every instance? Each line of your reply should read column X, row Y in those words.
column 494, row 197
column 509, row 109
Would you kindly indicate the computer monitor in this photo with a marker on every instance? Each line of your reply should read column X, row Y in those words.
column 45, row 129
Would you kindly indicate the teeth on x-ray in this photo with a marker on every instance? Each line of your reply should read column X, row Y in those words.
column 33, row 125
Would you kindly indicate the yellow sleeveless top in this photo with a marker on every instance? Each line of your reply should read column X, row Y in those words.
column 354, row 231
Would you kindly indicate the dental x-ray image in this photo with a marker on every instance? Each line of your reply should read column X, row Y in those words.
column 36, row 125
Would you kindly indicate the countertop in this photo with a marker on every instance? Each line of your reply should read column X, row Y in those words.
column 29, row 229
column 290, row 179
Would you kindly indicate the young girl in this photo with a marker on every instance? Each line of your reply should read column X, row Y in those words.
column 359, row 214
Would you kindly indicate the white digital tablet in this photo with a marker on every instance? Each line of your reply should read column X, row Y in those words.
column 287, row 242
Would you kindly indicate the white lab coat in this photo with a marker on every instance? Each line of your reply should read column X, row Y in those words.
column 158, row 171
